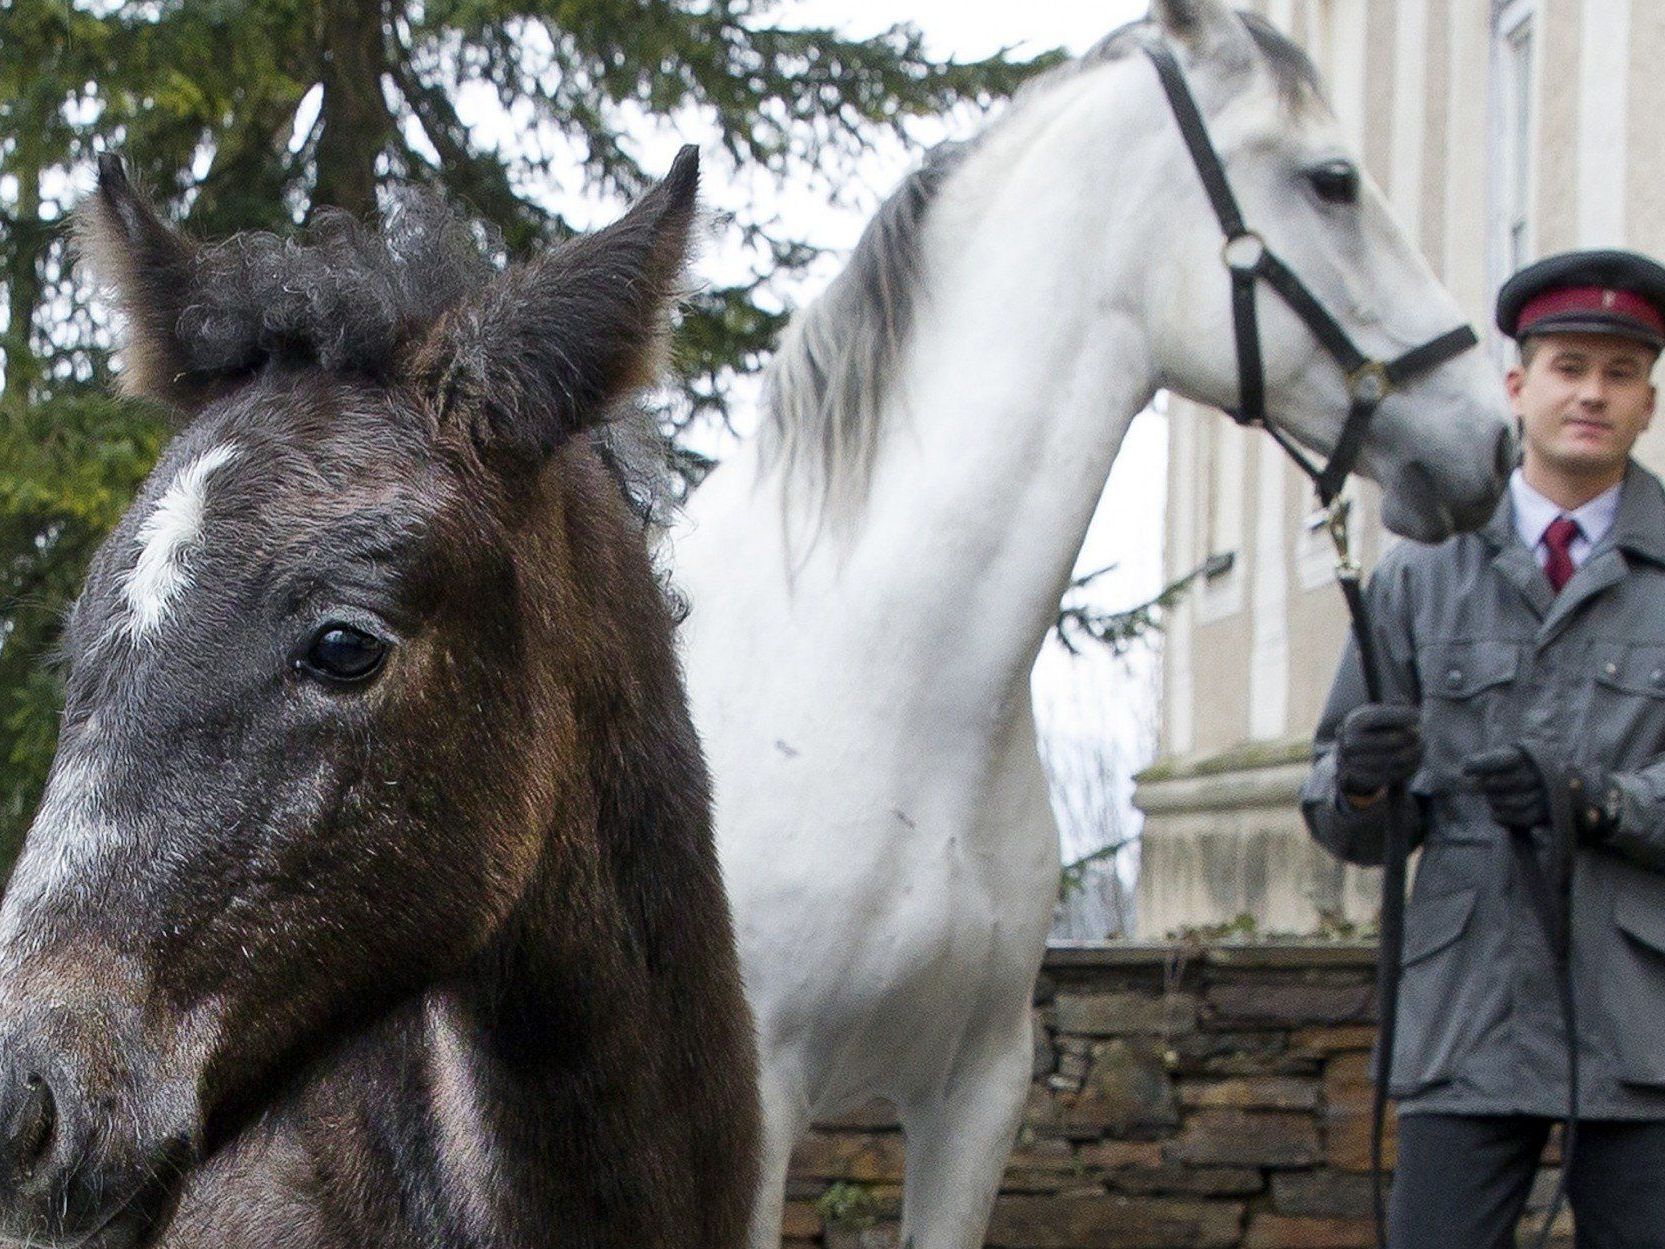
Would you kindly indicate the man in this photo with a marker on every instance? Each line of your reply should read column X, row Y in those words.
column 1523, row 676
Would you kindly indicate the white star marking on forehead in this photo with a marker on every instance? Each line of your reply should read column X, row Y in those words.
column 160, row 575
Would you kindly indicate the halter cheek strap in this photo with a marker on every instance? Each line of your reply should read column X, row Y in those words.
column 1249, row 261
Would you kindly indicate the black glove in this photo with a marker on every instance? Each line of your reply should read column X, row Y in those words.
column 1596, row 804
column 1515, row 789
column 1378, row 745
column 1512, row 785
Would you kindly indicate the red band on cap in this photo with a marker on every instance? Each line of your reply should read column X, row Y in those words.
column 1599, row 300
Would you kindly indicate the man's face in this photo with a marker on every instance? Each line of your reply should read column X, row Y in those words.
column 1583, row 400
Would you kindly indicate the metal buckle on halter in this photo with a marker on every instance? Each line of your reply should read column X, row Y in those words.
column 1333, row 519
column 1250, row 249
column 1369, row 383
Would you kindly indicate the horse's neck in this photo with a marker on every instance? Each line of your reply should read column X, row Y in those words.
column 996, row 460
column 1015, row 389
column 1028, row 358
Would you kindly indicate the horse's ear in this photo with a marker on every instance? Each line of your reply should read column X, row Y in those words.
column 550, row 347
column 1209, row 27
column 149, row 268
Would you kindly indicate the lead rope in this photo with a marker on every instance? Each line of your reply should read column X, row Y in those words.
column 1390, row 948
column 1552, row 899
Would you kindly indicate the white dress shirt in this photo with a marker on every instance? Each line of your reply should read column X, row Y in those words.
column 1534, row 513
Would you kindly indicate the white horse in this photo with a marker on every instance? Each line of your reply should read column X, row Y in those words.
column 871, row 579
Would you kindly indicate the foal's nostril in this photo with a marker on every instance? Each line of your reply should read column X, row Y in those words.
column 29, row 1132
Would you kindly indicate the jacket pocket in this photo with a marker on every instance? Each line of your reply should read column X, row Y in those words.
column 1464, row 688
column 1435, row 1029
column 1461, row 670
column 1638, row 670
column 1634, row 985
column 1643, row 920
column 1626, row 723
column 1437, row 923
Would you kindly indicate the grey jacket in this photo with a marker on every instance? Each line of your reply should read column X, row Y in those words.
column 1471, row 631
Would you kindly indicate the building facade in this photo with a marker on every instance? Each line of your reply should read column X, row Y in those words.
column 1500, row 131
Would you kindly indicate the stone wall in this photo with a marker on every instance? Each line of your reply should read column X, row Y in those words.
column 1184, row 1097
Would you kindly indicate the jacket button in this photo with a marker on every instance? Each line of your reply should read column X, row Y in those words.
column 1454, row 677
column 1611, row 669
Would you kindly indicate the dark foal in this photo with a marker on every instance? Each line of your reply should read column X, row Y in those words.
column 373, row 900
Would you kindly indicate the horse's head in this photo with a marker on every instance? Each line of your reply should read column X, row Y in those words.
column 1443, row 445
column 326, row 678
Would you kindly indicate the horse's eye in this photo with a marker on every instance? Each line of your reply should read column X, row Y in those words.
column 1337, row 182
column 341, row 654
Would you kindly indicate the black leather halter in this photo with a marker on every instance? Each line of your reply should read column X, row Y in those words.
column 1249, row 259
column 1369, row 382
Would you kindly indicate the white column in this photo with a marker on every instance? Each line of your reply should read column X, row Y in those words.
column 1184, row 500
column 1468, row 158
column 1349, row 30
column 1269, row 645
column 1410, row 113
column 1603, row 91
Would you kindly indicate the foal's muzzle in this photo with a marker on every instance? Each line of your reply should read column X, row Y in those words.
column 42, row 1136
column 28, row 1129
column 80, row 1164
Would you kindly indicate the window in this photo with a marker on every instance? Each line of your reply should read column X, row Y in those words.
column 1514, row 66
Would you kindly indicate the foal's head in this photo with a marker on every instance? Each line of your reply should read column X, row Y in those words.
column 320, row 725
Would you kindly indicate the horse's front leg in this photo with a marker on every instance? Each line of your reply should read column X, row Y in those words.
column 785, row 1119
column 958, row 1142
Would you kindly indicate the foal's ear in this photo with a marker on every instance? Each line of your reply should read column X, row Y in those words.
column 1208, row 27
column 551, row 346
column 149, row 268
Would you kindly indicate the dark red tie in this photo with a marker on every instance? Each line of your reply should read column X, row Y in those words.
column 1559, row 539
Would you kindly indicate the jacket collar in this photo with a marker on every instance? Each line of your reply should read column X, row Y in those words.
column 1638, row 529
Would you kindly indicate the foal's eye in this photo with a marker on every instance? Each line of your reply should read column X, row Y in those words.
column 1336, row 181
column 341, row 654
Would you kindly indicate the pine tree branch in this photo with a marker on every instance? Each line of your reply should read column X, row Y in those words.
column 479, row 179
column 1120, row 630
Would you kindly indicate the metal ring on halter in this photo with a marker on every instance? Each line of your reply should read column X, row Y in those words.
column 1369, row 383
column 1237, row 243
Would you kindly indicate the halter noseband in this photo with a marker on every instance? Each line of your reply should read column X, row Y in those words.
column 1248, row 258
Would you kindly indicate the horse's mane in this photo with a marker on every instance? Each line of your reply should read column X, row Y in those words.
column 825, row 386
column 824, row 391
column 345, row 297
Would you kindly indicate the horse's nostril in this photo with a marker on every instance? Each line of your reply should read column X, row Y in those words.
column 1507, row 452
column 29, row 1135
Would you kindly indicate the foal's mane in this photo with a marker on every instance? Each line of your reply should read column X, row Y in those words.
column 825, row 390
column 347, row 297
